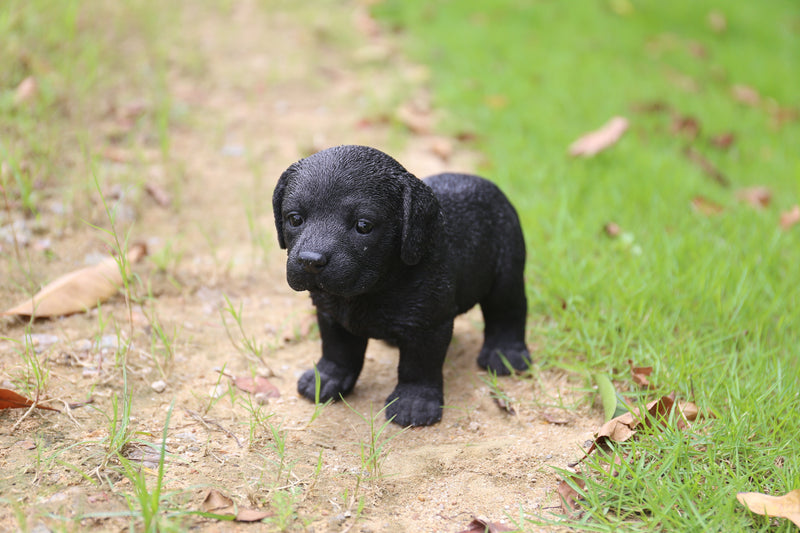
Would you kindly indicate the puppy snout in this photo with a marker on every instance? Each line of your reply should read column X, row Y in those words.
column 312, row 261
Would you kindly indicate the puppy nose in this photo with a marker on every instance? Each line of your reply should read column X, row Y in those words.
column 312, row 261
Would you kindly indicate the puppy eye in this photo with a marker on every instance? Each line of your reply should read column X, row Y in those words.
column 294, row 219
column 363, row 226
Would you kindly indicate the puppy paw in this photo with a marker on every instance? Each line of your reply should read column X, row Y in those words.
column 415, row 405
column 334, row 382
column 492, row 358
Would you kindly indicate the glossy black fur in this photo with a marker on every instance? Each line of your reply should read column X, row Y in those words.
column 434, row 249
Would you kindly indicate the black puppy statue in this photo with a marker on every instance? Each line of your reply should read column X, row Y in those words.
column 388, row 256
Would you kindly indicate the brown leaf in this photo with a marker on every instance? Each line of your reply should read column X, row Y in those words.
column 685, row 126
column 624, row 427
column 496, row 101
column 703, row 205
column 655, row 106
column 640, row 373
column 717, row 21
column 251, row 515
column 781, row 115
column 26, row 90
column 786, row 506
column 158, row 194
column 791, row 217
column 481, row 525
column 612, row 229
column 689, row 413
column 79, row 290
column 442, row 148
column 117, row 154
column 723, row 141
column 707, row 166
column 417, row 120
column 553, row 420
column 758, row 197
column 363, row 21
column 568, row 494
column 259, row 385
column 596, row 141
column 216, row 501
column 505, row 405
column 746, row 95
column 11, row 400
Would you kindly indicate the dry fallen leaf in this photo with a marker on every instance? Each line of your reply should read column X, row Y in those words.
column 685, row 126
column 26, row 90
column 758, row 197
column 640, row 373
column 723, row 141
column 786, row 506
column 442, row 148
column 79, row 290
column 598, row 140
column 791, row 217
column 612, row 229
column 550, row 419
column 481, row 525
column 251, row 515
column 417, row 120
column 363, row 21
column 746, row 95
column 215, row 500
column 496, row 101
column 780, row 115
column 717, row 21
column 707, row 166
column 505, row 405
column 623, row 427
column 703, row 205
column 158, row 194
column 217, row 503
column 11, row 400
column 569, row 495
column 259, row 385
column 654, row 106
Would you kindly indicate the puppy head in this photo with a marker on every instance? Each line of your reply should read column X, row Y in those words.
column 348, row 216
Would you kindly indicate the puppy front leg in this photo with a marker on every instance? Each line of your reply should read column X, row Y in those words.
column 340, row 365
column 419, row 396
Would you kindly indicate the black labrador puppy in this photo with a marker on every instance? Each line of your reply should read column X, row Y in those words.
column 388, row 256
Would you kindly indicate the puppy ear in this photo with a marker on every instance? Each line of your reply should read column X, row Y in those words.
column 277, row 202
column 421, row 212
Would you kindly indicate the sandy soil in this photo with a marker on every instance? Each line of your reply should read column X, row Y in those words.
column 265, row 90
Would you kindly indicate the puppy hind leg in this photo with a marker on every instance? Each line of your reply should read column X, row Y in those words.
column 505, row 312
column 340, row 365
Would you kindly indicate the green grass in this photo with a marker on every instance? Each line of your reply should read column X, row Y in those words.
column 710, row 301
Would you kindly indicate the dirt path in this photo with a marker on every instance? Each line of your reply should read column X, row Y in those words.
column 266, row 90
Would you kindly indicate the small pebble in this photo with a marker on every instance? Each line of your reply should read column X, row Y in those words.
column 159, row 386
column 83, row 345
column 89, row 372
column 108, row 341
column 42, row 341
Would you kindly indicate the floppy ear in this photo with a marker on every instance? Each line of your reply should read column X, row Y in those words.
column 421, row 212
column 277, row 202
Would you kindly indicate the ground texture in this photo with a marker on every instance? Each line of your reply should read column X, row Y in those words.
column 266, row 89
